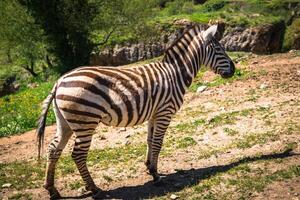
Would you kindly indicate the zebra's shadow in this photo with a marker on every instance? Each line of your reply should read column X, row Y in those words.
column 181, row 179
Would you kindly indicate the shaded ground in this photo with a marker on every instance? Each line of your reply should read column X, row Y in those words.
column 231, row 141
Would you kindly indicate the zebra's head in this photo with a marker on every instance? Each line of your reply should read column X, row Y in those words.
column 216, row 57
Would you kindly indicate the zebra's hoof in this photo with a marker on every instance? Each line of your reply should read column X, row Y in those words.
column 98, row 195
column 157, row 181
column 54, row 194
column 93, row 188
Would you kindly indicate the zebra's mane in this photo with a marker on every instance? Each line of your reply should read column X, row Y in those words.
column 193, row 27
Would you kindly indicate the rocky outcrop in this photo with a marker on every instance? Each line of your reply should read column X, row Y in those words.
column 296, row 44
column 9, row 86
column 263, row 39
column 121, row 55
column 129, row 53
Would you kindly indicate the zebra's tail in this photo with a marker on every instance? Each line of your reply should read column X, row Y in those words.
column 42, row 120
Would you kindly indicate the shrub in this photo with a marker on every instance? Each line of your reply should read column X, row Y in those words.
column 291, row 33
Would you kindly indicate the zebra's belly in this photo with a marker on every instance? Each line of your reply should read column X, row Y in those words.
column 112, row 109
column 108, row 121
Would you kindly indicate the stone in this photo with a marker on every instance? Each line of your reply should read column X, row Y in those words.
column 262, row 39
column 263, row 86
column 201, row 88
column 6, row 185
column 174, row 196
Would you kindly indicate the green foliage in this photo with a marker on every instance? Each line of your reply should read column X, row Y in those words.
column 122, row 21
column 20, row 112
column 66, row 25
column 247, row 13
column 292, row 32
column 22, row 41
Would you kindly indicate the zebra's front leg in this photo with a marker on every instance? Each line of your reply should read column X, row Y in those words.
column 160, row 126
column 79, row 155
column 149, row 143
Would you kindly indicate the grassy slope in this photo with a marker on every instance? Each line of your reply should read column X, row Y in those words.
column 247, row 13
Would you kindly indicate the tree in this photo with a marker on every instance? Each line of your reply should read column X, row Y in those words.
column 75, row 28
column 21, row 40
column 123, row 18
column 67, row 25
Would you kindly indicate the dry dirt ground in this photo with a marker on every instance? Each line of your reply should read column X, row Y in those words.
column 231, row 141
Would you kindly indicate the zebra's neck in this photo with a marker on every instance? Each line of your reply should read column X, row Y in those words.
column 186, row 55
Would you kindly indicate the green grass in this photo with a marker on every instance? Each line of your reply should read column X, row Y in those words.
column 19, row 112
column 246, row 183
column 75, row 185
column 250, row 140
column 14, row 172
column 21, row 195
column 104, row 158
column 238, row 182
column 188, row 127
column 228, row 118
column 107, row 178
column 245, row 13
column 239, row 75
column 33, row 172
column 186, row 142
column 230, row 131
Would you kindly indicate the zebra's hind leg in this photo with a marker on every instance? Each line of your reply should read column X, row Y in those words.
column 55, row 148
column 79, row 155
column 160, row 126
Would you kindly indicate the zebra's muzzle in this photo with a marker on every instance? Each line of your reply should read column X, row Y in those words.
column 228, row 73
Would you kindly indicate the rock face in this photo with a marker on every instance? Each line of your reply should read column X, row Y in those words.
column 121, row 55
column 262, row 39
column 296, row 44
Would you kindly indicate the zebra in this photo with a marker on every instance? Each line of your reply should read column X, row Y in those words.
column 127, row 96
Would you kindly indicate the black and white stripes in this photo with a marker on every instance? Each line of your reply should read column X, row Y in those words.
column 124, row 97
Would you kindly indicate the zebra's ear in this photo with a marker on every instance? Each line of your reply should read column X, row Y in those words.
column 210, row 32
